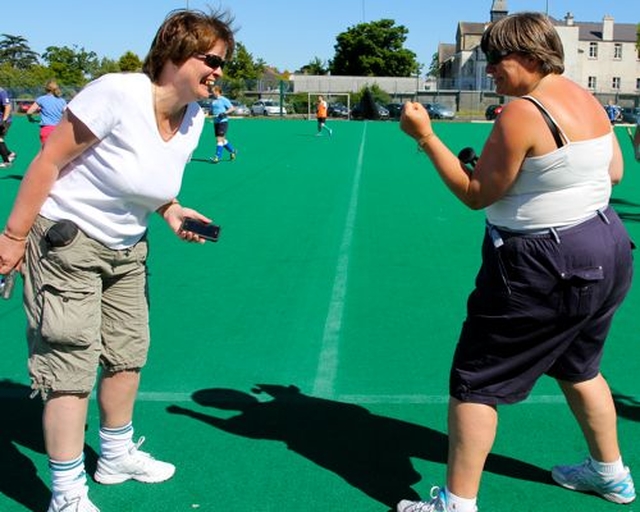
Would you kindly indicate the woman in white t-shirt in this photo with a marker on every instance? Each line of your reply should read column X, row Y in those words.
column 78, row 230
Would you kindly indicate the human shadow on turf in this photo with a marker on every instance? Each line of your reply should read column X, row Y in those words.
column 17, row 177
column 371, row 452
column 626, row 406
column 21, row 425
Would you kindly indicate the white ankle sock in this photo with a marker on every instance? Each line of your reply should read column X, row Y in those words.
column 115, row 442
column 458, row 504
column 607, row 468
column 67, row 476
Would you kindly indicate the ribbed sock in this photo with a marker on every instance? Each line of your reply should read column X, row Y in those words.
column 607, row 468
column 115, row 442
column 458, row 504
column 67, row 477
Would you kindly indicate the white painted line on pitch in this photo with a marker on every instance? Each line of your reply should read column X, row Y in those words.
column 433, row 399
column 418, row 399
column 328, row 360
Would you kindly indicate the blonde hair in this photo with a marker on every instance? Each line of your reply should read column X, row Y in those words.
column 529, row 33
column 52, row 87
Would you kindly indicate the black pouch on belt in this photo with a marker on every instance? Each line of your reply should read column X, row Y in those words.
column 61, row 234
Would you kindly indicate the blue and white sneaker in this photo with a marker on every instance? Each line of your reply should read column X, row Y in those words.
column 582, row 477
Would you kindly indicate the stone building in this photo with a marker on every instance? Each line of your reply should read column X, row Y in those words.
column 601, row 56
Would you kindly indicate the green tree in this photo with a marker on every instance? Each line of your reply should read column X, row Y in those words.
column 130, row 62
column 315, row 67
column 72, row 66
column 107, row 66
column 24, row 79
column 373, row 49
column 15, row 51
column 243, row 66
column 434, row 67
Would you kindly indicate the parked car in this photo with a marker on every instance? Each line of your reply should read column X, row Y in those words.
column 395, row 110
column 267, row 108
column 493, row 111
column 337, row 110
column 357, row 113
column 240, row 109
column 631, row 115
column 439, row 111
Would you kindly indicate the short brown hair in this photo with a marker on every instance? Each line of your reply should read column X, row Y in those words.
column 185, row 33
column 530, row 33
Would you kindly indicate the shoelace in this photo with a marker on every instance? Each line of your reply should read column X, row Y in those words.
column 142, row 457
column 428, row 506
column 73, row 505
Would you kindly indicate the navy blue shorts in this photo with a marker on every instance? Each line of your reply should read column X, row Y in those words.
column 220, row 129
column 542, row 304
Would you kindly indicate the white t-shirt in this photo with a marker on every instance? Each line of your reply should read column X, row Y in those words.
column 111, row 190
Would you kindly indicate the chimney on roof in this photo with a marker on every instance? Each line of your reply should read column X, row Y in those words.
column 499, row 10
column 568, row 19
column 607, row 28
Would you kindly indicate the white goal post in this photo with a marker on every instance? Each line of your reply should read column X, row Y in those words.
column 330, row 97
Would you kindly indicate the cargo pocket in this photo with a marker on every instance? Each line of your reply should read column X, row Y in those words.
column 580, row 290
column 69, row 317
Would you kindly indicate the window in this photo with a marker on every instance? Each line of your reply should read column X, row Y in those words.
column 637, row 84
column 615, row 82
column 591, row 83
column 593, row 50
column 617, row 51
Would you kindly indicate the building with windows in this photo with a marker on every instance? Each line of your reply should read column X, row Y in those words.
column 601, row 56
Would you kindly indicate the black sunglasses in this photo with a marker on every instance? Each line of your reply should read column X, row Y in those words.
column 494, row 57
column 211, row 60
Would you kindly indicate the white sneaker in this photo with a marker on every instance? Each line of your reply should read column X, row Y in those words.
column 135, row 465
column 73, row 503
column 437, row 503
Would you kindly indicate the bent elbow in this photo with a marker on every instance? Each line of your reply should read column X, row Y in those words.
column 475, row 203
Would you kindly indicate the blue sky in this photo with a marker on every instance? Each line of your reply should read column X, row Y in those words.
column 285, row 37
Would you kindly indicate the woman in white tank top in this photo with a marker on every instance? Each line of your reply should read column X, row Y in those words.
column 544, row 178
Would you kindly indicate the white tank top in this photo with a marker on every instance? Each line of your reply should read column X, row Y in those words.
column 561, row 188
